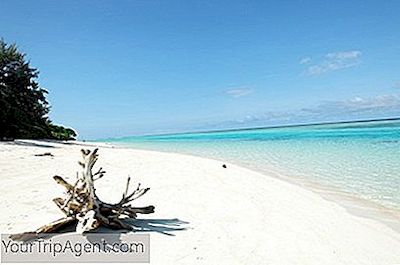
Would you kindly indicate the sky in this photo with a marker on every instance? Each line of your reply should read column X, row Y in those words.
column 122, row 68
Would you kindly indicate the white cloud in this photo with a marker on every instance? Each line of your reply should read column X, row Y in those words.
column 335, row 61
column 358, row 105
column 355, row 108
column 305, row 60
column 238, row 92
column 344, row 55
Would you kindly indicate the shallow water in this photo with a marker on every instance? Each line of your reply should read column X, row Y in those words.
column 362, row 158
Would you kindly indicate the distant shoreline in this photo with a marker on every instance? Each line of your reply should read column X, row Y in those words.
column 259, row 128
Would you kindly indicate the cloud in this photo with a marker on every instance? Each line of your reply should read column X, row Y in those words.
column 379, row 105
column 356, row 108
column 305, row 60
column 344, row 55
column 263, row 117
column 238, row 92
column 334, row 61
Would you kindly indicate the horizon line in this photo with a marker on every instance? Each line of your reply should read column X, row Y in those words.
column 261, row 128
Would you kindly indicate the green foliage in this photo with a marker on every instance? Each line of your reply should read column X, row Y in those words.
column 62, row 133
column 23, row 104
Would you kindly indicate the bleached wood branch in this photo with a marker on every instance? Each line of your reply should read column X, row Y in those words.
column 82, row 206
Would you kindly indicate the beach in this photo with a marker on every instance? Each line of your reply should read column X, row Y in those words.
column 204, row 213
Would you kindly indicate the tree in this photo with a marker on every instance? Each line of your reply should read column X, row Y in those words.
column 23, row 104
column 62, row 133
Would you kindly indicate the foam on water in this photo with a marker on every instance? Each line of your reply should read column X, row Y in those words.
column 359, row 158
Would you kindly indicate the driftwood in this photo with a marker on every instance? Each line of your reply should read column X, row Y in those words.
column 82, row 207
column 45, row 154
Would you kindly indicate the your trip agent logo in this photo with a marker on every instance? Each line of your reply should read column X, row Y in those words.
column 71, row 248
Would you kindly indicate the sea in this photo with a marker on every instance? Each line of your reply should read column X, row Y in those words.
column 361, row 158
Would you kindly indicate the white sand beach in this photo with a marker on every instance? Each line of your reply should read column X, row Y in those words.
column 205, row 214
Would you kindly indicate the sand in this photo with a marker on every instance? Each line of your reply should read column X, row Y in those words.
column 205, row 214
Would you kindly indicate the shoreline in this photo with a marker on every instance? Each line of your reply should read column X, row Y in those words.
column 352, row 202
column 238, row 210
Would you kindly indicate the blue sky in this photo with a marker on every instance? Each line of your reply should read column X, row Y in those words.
column 120, row 68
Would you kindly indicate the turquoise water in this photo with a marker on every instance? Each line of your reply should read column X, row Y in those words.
column 362, row 158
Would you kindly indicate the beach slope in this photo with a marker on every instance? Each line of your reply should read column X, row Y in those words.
column 204, row 213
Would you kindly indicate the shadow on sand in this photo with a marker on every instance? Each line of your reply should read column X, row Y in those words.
column 31, row 144
column 163, row 226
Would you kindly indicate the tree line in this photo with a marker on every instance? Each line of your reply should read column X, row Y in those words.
column 23, row 105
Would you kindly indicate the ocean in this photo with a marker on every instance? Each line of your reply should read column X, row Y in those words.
column 357, row 158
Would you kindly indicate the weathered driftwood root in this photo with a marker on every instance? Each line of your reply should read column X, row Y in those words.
column 83, row 207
